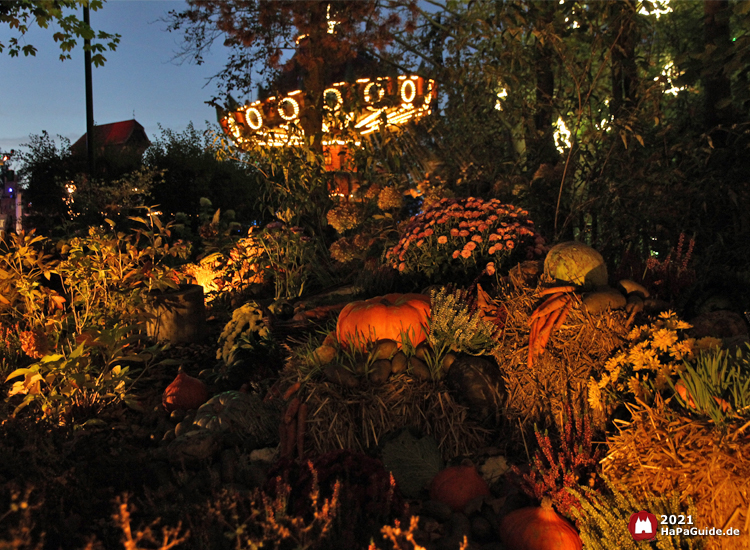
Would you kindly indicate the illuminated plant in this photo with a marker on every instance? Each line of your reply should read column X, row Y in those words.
column 554, row 472
column 654, row 355
column 468, row 236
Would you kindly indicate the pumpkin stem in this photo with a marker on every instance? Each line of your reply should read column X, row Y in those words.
column 547, row 504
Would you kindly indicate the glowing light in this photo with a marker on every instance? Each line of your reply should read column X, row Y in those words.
column 337, row 94
column 655, row 7
column 405, row 95
column 368, row 97
column 295, row 108
column 668, row 73
column 254, row 118
column 562, row 136
column 501, row 95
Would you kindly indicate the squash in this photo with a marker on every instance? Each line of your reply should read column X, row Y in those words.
column 456, row 486
column 538, row 528
column 384, row 317
column 575, row 263
column 185, row 392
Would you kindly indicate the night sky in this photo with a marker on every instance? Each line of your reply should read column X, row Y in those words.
column 140, row 79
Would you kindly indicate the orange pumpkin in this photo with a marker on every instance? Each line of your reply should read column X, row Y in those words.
column 384, row 317
column 538, row 529
column 456, row 486
column 185, row 393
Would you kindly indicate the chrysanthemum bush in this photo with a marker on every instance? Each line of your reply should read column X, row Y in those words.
column 468, row 236
column 654, row 356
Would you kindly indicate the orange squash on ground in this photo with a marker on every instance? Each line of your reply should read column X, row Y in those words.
column 456, row 486
column 185, row 393
column 385, row 317
column 538, row 529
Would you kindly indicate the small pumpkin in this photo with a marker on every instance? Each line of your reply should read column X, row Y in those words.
column 538, row 528
column 384, row 317
column 185, row 392
column 456, row 486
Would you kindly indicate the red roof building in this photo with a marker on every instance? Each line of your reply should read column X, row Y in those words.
column 118, row 137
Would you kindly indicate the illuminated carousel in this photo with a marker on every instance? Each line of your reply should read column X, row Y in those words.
column 364, row 107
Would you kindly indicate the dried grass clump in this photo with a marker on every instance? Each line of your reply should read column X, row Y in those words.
column 575, row 352
column 660, row 451
column 356, row 419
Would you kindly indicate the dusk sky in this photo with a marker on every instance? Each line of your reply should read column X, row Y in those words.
column 140, row 80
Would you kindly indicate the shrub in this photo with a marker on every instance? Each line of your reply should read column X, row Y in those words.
column 468, row 236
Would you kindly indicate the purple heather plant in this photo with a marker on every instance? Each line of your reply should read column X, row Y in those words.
column 554, row 472
column 471, row 236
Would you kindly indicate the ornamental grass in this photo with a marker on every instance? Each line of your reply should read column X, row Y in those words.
column 661, row 450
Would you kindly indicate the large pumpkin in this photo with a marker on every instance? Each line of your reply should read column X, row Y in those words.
column 456, row 486
column 384, row 317
column 538, row 529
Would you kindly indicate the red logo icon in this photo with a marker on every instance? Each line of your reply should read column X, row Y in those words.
column 642, row 526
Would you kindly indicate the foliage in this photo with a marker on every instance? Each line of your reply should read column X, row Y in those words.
column 91, row 201
column 194, row 168
column 602, row 517
column 669, row 278
column 74, row 387
column 267, row 519
column 46, row 169
column 367, row 494
column 245, row 328
column 653, row 356
column 19, row 14
column 553, row 473
column 258, row 32
column 23, row 298
column 467, row 236
column 456, row 326
column 715, row 378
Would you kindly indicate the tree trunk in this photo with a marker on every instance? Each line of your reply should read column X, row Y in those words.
column 545, row 90
column 624, row 69
column 716, row 82
column 313, row 49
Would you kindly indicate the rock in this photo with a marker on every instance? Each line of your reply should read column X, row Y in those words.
column 479, row 384
column 437, row 510
column 603, row 299
column 421, row 351
column 719, row 324
column 399, row 362
column 193, row 447
column 324, row 355
column 448, row 360
column 339, row 375
column 419, row 369
column 379, row 371
column 384, row 349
